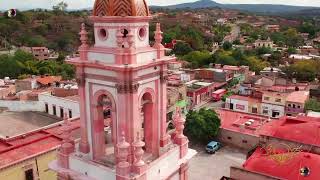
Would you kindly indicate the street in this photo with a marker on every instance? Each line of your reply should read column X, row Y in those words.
column 213, row 166
column 210, row 105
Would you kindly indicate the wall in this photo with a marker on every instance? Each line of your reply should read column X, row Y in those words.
column 66, row 104
column 22, row 85
column 165, row 166
column 254, row 105
column 242, row 174
column 273, row 97
column 91, row 169
column 271, row 108
column 237, row 139
column 17, row 172
column 238, row 104
column 5, row 90
column 22, row 105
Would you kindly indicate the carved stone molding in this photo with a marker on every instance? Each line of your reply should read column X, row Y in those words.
column 127, row 87
column 81, row 79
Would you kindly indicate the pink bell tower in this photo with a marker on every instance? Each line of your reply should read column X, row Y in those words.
column 122, row 87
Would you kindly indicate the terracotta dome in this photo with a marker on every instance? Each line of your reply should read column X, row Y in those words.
column 120, row 8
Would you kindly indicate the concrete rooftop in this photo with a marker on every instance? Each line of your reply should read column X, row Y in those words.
column 16, row 123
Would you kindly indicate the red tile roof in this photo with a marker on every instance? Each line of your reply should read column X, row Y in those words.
column 32, row 144
column 234, row 121
column 261, row 162
column 49, row 79
column 302, row 129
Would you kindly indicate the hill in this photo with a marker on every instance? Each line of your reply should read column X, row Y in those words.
column 257, row 8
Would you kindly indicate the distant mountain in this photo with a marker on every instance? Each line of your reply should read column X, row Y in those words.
column 258, row 8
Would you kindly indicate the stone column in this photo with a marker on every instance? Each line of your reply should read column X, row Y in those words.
column 164, row 136
column 83, row 50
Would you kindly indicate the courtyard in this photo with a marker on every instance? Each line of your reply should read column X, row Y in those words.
column 213, row 166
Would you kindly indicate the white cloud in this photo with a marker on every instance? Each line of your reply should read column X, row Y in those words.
column 75, row 4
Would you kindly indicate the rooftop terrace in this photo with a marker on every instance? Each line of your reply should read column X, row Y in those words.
column 17, row 123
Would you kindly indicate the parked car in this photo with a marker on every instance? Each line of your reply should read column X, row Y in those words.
column 212, row 147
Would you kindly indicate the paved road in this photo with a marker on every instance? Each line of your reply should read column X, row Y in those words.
column 213, row 166
column 211, row 105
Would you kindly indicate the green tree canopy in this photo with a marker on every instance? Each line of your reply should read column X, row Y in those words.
column 198, row 58
column 202, row 126
column 182, row 48
column 227, row 46
column 306, row 70
column 313, row 105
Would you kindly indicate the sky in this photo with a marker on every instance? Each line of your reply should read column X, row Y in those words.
column 78, row 4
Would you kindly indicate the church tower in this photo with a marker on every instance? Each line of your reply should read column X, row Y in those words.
column 123, row 101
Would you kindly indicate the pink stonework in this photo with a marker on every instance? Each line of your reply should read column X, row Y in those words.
column 123, row 100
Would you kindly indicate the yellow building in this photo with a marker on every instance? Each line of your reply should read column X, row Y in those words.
column 35, row 167
column 25, row 156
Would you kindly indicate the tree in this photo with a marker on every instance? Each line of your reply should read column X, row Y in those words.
column 227, row 46
column 292, row 50
column 198, row 58
column 256, row 64
column 182, row 48
column 306, row 70
column 292, row 38
column 202, row 126
column 313, row 105
column 308, row 27
column 263, row 50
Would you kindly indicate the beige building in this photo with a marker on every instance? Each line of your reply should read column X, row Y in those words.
column 296, row 102
column 263, row 43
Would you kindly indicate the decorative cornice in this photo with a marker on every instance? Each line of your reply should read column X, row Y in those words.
column 127, row 87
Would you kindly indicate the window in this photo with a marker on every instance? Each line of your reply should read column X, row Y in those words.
column 265, row 111
column 278, row 100
column 70, row 113
column 142, row 33
column 266, row 98
column 289, row 105
column 29, row 174
column 244, row 141
column 54, row 110
column 61, row 112
column 294, row 106
column 299, row 106
column 254, row 110
column 47, row 108
column 229, row 137
column 103, row 34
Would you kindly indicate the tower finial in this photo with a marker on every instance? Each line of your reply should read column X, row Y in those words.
column 83, row 36
column 158, row 35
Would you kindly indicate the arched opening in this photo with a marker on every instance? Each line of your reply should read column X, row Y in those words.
column 103, row 129
column 147, row 119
